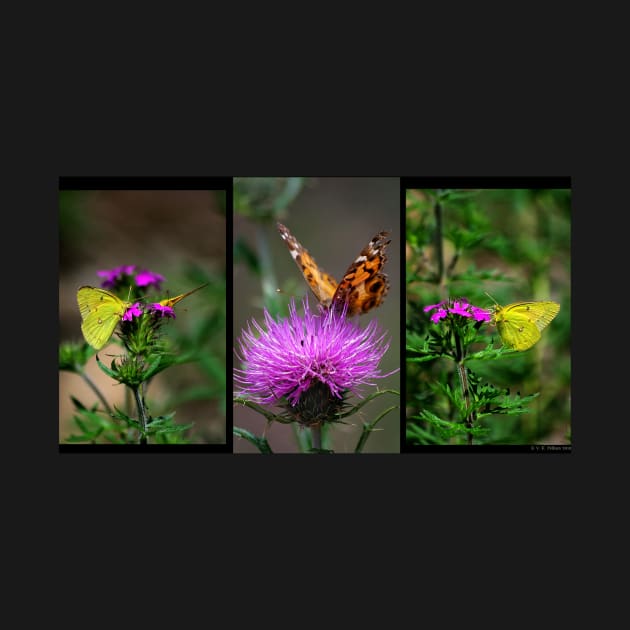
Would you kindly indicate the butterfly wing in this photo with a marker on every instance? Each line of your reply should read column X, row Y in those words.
column 100, row 311
column 520, row 324
column 172, row 301
column 517, row 331
column 322, row 284
column 364, row 285
column 543, row 312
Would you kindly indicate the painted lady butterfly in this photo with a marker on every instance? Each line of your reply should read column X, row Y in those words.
column 362, row 287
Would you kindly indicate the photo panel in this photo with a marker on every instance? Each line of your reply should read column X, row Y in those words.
column 316, row 315
column 142, row 314
column 487, row 314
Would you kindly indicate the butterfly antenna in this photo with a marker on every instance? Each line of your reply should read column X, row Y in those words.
column 491, row 298
column 197, row 289
column 176, row 299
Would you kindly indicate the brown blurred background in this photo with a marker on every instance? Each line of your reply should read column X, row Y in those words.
column 334, row 218
column 180, row 234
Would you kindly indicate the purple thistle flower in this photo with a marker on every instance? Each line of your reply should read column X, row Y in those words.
column 163, row 311
column 313, row 361
column 133, row 311
column 147, row 278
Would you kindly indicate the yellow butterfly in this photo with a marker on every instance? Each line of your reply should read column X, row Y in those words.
column 100, row 311
column 520, row 324
column 172, row 301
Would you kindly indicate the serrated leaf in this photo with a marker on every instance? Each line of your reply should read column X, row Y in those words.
column 113, row 373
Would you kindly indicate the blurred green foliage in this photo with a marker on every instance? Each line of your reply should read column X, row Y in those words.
column 514, row 244
column 263, row 201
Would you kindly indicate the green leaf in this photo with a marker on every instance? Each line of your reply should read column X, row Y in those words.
column 415, row 433
column 159, row 364
column 112, row 372
column 77, row 403
column 259, row 442
column 370, row 427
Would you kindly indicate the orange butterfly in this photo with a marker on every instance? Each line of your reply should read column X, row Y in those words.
column 363, row 286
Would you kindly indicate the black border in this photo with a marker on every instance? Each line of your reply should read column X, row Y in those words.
column 166, row 183
column 147, row 448
column 124, row 182
column 482, row 181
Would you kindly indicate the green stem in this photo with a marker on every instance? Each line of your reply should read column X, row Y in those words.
column 365, row 401
column 267, row 271
column 368, row 428
column 142, row 412
column 460, row 354
column 439, row 250
column 470, row 416
column 95, row 389
column 316, row 437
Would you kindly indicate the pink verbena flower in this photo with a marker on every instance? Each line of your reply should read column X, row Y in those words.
column 480, row 314
column 313, row 361
column 457, row 307
column 147, row 278
column 112, row 276
column 439, row 314
column 133, row 311
column 163, row 311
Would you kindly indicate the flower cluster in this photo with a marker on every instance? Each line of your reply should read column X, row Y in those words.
column 457, row 307
column 135, row 310
column 312, row 361
column 162, row 310
column 124, row 275
column 120, row 278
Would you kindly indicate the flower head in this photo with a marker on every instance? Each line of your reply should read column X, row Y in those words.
column 163, row 311
column 134, row 310
column 457, row 307
column 313, row 361
column 115, row 275
column 147, row 278
column 123, row 275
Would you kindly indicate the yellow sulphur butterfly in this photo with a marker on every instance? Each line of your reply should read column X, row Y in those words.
column 172, row 301
column 100, row 311
column 520, row 324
